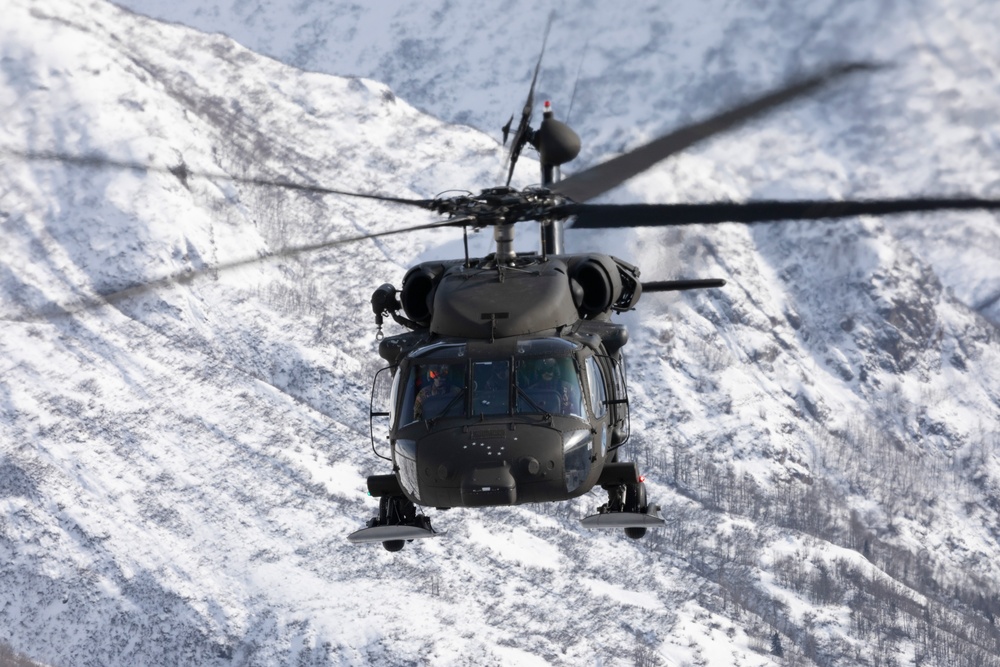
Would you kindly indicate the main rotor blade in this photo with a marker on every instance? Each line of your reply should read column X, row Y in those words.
column 611, row 216
column 190, row 275
column 682, row 285
column 521, row 135
column 183, row 173
column 597, row 180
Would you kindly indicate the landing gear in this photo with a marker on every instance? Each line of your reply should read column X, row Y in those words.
column 398, row 511
column 627, row 505
column 397, row 522
column 624, row 500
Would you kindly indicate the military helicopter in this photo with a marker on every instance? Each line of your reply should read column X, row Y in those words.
column 508, row 385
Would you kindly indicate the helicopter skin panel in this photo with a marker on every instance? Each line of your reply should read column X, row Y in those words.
column 464, row 468
column 479, row 304
column 390, row 533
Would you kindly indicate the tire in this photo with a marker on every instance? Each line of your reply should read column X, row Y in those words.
column 635, row 502
column 635, row 498
column 397, row 545
column 383, row 510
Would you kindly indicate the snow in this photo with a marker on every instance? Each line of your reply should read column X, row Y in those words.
column 178, row 470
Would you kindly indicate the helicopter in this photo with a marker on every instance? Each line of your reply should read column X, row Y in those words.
column 509, row 385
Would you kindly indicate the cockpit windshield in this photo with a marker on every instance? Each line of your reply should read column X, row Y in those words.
column 542, row 377
column 435, row 390
column 550, row 385
column 435, row 385
column 491, row 387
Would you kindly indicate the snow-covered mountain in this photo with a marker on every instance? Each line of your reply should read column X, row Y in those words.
column 178, row 470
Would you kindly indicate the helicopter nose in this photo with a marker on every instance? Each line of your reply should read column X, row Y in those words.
column 491, row 484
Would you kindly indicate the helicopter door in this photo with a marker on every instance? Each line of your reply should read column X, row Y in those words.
column 379, row 415
column 598, row 388
column 617, row 402
column 597, row 396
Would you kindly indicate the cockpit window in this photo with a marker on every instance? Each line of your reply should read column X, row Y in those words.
column 434, row 390
column 550, row 385
column 491, row 387
column 542, row 377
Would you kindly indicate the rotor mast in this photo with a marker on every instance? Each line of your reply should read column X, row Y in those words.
column 503, row 236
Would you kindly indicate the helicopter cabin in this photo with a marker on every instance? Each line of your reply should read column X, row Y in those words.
column 507, row 422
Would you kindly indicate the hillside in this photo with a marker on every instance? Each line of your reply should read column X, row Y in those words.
column 178, row 469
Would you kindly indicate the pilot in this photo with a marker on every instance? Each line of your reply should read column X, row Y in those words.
column 548, row 379
column 439, row 386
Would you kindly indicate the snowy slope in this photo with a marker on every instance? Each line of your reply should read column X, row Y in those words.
column 178, row 471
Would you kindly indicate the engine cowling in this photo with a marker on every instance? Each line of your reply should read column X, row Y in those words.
column 417, row 296
column 595, row 283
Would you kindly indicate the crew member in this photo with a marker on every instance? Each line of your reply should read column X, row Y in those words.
column 439, row 386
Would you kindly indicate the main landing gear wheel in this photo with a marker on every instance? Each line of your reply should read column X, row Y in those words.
column 635, row 502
